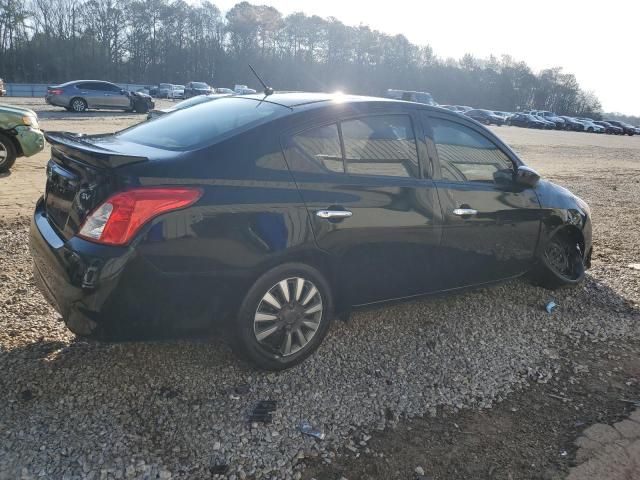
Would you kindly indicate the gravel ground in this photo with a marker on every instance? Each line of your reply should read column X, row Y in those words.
column 179, row 409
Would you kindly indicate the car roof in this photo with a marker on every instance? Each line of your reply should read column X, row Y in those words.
column 72, row 82
column 297, row 100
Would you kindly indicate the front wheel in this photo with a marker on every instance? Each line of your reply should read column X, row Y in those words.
column 284, row 317
column 8, row 153
column 561, row 263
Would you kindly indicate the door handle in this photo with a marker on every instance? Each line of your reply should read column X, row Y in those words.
column 463, row 212
column 334, row 213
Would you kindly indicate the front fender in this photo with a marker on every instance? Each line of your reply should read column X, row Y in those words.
column 562, row 209
column 31, row 140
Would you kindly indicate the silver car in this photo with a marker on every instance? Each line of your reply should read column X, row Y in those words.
column 80, row 95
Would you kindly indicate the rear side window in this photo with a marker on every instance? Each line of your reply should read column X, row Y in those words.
column 466, row 155
column 380, row 145
column 316, row 151
column 203, row 124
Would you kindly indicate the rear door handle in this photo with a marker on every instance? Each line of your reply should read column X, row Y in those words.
column 334, row 214
column 464, row 212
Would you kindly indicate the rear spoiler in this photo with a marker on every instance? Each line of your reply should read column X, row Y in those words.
column 80, row 147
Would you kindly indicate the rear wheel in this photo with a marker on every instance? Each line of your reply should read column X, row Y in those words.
column 78, row 105
column 283, row 318
column 562, row 262
column 8, row 153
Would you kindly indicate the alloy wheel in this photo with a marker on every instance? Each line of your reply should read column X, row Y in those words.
column 288, row 316
column 78, row 105
column 562, row 257
column 4, row 153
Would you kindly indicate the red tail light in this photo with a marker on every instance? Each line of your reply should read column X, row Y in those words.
column 55, row 91
column 120, row 217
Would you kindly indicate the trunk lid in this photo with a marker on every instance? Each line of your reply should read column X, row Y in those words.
column 82, row 173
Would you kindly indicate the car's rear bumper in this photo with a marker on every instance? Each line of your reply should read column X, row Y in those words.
column 56, row 100
column 101, row 289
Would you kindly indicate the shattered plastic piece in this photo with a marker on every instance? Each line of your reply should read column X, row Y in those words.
column 550, row 307
column 308, row 429
column 262, row 412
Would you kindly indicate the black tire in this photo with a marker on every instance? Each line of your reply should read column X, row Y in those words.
column 561, row 263
column 78, row 105
column 263, row 354
column 140, row 106
column 8, row 153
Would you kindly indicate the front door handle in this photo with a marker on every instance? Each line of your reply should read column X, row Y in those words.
column 334, row 214
column 465, row 212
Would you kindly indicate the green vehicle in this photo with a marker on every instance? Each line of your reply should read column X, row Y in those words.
column 20, row 135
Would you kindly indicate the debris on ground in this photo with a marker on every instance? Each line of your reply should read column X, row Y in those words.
column 263, row 411
column 308, row 429
column 550, row 306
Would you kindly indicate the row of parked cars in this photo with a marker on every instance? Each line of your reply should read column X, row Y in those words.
column 545, row 119
column 193, row 89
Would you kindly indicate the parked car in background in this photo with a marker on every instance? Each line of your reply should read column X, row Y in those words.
column 164, row 90
column 190, row 102
column 81, row 95
column 161, row 226
column 243, row 90
column 608, row 128
column 20, row 135
column 590, row 126
column 626, row 128
column 573, row 124
column 3, row 91
column 504, row 115
column 525, row 120
column 548, row 124
column 227, row 91
column 552, row 117
column 410, row 96
column 196, row 88
column 176, row 92
column 486, row 117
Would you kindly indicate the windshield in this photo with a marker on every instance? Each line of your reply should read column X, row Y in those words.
column 199, row 85
column 203, row 124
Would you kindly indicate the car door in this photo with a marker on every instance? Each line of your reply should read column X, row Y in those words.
column 115, row 97
column 370, row 204
column 91, row 93
column 491, row 224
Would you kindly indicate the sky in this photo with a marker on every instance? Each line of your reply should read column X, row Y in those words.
column 597, row 40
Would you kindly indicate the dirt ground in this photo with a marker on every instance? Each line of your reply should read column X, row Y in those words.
column 530, row 434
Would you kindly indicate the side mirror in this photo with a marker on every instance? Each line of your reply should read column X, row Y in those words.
column 527, row 176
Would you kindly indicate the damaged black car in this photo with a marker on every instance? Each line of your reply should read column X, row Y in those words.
column 267, row 215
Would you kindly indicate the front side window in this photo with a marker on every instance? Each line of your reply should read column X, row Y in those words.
column 316, row 151
column 466, row 155
column 380, row 145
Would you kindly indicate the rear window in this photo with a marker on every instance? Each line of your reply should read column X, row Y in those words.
column 203, row 124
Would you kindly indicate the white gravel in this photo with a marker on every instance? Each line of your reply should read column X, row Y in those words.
column 77, row 409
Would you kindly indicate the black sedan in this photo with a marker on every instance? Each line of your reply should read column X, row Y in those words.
column 193, row 89
column 486, row 117
column 573, row 124
column 609, row 128
column 626, row 128
column 525, row 120
column 271, row 215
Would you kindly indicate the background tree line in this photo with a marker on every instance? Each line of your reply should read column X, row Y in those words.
column 151, row 41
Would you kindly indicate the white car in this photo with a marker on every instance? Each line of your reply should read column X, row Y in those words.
column 177, row 91
column 589, row 126
column 243, row 90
